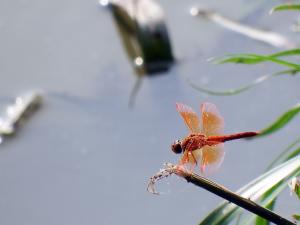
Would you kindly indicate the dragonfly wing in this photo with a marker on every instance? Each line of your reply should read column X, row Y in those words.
column 211, row 158
column 188, row 160
column 212, row 121
column 208, row 158
column 190, row 117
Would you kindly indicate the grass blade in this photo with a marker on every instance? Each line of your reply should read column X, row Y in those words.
column 255, row 58
column 240, row 89
column 231, row 91
column 284, row 156
column 285, row 7
column 281, row 121
column 240, row 58
column 295, row 51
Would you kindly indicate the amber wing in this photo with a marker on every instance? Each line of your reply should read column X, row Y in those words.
column 212, row 121
column 190, row 117
column 212, row 158
column 208, row 158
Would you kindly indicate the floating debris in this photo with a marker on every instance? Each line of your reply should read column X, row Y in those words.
column 22, row 107
column 142, row 27
column 270, row 38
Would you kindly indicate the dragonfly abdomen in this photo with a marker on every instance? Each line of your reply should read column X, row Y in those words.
column 232, row 136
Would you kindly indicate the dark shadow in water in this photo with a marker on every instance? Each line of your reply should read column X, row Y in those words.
column 134, row 91
column 145, row 38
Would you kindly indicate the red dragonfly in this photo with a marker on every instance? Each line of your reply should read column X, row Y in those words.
column 204, row 146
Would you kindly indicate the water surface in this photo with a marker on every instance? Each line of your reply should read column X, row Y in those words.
column 85, row 157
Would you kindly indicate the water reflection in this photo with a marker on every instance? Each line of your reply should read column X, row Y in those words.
column 144, row 34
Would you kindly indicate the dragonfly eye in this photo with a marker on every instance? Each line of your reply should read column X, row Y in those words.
column 176, row 147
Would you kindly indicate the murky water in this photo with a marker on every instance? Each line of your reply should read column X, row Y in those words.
column 86, row 156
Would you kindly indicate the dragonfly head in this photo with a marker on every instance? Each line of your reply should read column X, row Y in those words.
column 176, row 147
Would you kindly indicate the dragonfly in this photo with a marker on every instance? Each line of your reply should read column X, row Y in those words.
column 204, row 146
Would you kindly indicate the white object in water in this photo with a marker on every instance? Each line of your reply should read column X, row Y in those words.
column 23, row 105
column 271, row 38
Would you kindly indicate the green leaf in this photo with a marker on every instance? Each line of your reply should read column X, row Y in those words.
column 285, row 7
column 296, row 217
column 297, row 190
column 295, row 51
column 232, row 91
column 281, row 121
column 240, row 58
column 284, row 156
column 275, row 178
column 255, row 58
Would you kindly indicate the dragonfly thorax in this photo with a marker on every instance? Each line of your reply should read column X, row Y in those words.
column 190, row 143
column 193, row 142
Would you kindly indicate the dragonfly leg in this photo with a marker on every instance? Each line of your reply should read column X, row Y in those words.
column 184, row 159
column 202, row 168
column 188, row 158
column 203, row 164
column 193, row 157
column 193, row 161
